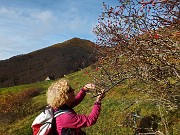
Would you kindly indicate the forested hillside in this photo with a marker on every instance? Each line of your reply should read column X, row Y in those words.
column 54, row 61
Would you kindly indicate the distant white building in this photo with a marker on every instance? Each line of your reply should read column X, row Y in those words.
column 47, row 79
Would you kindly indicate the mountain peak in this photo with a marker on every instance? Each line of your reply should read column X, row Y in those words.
column 56, row 61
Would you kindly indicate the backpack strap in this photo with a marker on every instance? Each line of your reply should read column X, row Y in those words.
column 56, row 114
column 59, row 112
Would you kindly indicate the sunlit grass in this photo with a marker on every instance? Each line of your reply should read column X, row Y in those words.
column 115, row 108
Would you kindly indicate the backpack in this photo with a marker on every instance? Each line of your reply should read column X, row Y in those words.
column 44, row 123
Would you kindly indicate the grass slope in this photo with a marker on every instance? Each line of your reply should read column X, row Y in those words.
column 113, row 119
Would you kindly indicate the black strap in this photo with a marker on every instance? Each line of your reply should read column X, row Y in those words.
column 56, row 113
column 67, row 131
column 59, row 112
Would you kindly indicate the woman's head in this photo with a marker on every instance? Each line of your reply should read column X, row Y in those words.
column 59, row 93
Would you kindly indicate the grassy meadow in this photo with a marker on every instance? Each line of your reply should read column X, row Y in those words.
column 19, row 106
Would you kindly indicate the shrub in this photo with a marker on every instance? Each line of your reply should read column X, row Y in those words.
column 17, row 105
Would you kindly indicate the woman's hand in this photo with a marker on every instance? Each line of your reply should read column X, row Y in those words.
column 101, row 96
column 88, row 87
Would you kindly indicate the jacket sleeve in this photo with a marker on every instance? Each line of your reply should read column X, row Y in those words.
column 79, row 97
column 72, row 120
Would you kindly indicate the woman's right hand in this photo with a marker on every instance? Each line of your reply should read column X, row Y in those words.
column 88, row 87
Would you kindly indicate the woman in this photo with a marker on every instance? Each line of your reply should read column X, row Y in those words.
column 61, row 96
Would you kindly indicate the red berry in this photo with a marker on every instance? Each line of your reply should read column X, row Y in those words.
column 156, row 36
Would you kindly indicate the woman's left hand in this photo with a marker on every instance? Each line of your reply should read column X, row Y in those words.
column 101, row 96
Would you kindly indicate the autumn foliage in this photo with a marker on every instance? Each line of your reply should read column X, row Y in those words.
column 17, row 105
column 139, row 41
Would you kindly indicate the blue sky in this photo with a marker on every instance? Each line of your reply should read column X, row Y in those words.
column 29, row 25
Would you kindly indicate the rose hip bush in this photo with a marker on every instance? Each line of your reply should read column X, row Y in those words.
column 139, row 41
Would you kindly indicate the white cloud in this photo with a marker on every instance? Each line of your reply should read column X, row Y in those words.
column 44, row 16
column 26, row 23
column 7, row 12
column 20, row 27
column 28, row 27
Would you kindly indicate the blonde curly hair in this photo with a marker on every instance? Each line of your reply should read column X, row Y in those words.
column 57, row 93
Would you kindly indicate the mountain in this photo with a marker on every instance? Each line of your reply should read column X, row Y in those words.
column 54, row 61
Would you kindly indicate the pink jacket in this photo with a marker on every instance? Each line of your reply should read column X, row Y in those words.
column 77, row 121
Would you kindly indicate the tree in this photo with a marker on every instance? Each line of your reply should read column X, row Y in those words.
column 139, row 41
